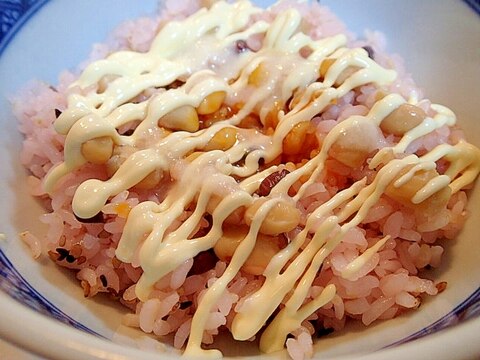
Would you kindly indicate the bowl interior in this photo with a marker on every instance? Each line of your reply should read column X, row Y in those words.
column 443, row 59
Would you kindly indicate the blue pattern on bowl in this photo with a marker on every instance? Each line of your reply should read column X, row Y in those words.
column 10, row 12
column 474, row 4
column 12, row 283
column 13, row 15
column 468, row 309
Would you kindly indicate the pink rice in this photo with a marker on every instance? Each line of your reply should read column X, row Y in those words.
column 389, row 284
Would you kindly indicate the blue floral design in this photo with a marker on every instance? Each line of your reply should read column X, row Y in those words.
column 12, row 283
column 468, row 309
column 10, row 13
column 474, row 4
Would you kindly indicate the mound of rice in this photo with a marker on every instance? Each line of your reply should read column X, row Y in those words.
column 389, row 284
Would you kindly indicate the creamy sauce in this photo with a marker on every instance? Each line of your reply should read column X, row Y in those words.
column 200, row 51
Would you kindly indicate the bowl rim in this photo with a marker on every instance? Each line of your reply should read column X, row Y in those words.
column 43, row 340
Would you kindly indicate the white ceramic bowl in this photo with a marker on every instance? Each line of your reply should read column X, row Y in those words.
column 42, row 308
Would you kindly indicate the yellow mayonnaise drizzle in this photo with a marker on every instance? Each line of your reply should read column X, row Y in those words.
column 186, row 50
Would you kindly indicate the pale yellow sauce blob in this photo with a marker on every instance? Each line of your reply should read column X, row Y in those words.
column 201, row 52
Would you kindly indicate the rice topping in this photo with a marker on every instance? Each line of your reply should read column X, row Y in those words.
column 226, row 129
